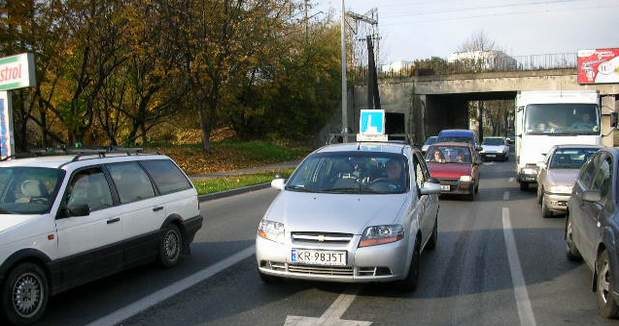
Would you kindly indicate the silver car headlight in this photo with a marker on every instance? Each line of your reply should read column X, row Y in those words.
column 381, row 234
column 273, row 231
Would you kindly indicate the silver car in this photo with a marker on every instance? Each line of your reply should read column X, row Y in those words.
column 358, row 212
column 557, row 174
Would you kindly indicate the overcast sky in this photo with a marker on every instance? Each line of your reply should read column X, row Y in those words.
column 422, row 28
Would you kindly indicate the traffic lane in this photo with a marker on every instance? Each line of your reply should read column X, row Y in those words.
column 559, row 289
column 229, row 227
column 464, row 281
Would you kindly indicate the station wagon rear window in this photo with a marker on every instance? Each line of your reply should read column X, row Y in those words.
column 166, row 175
column 28, row 190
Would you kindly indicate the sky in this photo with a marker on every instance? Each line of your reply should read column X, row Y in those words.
column 413, row 29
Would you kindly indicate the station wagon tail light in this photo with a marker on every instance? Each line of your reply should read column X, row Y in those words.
column 466, row 178
column 270, row 230
column 381, row 234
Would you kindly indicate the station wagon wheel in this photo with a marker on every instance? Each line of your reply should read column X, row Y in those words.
column 604, row 287
column 25, row 294
column 171, row 246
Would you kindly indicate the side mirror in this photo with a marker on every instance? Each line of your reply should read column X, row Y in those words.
column 77, row 210
column 541, row 164
column 591, row 196
column 430, row 188
column 613, row 119
column 278, row 184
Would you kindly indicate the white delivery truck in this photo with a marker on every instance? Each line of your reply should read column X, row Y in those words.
column 548, row 118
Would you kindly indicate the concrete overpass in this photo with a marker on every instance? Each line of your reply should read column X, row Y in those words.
column 428, row 104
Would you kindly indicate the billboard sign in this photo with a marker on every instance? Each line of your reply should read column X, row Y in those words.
column 600, row 66
column 7, row 142
column 17, row 71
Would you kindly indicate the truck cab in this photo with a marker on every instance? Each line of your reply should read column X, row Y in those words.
column 548, row 118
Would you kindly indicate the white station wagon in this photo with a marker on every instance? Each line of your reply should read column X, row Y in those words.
column 359, row 212
column 67, row 220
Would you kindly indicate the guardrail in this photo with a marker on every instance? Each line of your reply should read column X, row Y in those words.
column 439, row 66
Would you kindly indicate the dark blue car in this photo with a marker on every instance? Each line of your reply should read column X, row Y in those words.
column 592, row 226
column 459, row 136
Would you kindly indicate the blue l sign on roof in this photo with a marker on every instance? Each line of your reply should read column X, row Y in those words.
column 372, row 122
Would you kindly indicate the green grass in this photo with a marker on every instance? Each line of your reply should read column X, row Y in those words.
column 213, row 185
column 262, row 151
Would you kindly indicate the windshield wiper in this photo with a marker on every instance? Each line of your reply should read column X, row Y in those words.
column 299, row 189
column 4, row 211
column 343, row 190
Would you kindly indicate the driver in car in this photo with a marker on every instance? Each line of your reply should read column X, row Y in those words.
column 584, row 124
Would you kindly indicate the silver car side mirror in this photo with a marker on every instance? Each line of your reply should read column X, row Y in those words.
column 430, row 188
column 278, row 184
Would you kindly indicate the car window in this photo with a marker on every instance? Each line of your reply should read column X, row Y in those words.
column 570, row 158
column 89, row 187
column 450, row 154
column 420, row 176
column 28, row 190
column 587, row 172
column 131, row 182
column 167, row 176
column 602, row 181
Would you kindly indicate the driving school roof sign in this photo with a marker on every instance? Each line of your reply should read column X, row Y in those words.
column 372, row 126
column 17, row 72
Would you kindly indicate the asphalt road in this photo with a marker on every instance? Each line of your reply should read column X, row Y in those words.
column 497, row 262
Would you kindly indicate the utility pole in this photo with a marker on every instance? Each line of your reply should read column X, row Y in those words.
column 344, row 77
column 306, row 20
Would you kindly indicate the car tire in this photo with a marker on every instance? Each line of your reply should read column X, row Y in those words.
column 604, row 284
column 546, row 212
column 572, row 252
column 540, row 195
column 170, row 246
column 524, row 186
column 409, row 284
column 29, row 281
column 434, row 237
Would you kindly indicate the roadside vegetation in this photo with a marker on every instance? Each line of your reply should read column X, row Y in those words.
column 213, row 185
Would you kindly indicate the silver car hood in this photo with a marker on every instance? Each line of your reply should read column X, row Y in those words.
column 561, row 177
column 343, row 213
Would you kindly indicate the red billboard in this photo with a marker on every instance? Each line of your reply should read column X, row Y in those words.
column 600, row 66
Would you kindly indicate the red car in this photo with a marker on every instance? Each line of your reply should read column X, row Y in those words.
column 456, row 166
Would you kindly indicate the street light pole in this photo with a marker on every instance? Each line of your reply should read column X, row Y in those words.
column 344, row 81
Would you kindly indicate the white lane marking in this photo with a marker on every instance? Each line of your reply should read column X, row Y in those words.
column 133, row 309
column 506, row 195
column 512, row 179
column 525, row 312
column 332, row 316
column 490, row 163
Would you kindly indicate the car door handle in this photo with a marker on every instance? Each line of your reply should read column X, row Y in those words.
column 113, row 220
column 156, row 209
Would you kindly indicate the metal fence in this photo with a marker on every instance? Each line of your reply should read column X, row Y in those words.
column 439, row 66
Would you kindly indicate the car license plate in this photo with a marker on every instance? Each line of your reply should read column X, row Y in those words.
column 445, row 188
column 491, row 155
column 318, row 257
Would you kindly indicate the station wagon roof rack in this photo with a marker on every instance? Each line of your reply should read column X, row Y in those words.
column 79, row 153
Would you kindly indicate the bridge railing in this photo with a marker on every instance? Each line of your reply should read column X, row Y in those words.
column 439, row 66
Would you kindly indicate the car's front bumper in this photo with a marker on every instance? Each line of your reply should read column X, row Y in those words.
column 493, row 156
column 527, row 175
column 557, row 202
column 457, row 187
column 382, row 263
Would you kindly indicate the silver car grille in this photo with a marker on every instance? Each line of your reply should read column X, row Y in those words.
column 321, row 270
column 322, row 237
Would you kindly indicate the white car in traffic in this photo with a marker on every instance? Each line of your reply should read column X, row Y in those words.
column 359, row 212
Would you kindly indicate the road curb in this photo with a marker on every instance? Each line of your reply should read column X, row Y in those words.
column 234, row 192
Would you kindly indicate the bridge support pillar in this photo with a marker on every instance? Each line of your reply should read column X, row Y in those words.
column 609, row 105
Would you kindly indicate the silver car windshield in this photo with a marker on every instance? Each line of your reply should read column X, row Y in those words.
column 562, row 119
column 351, row 173
column 28, row 190
column 570, row 158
